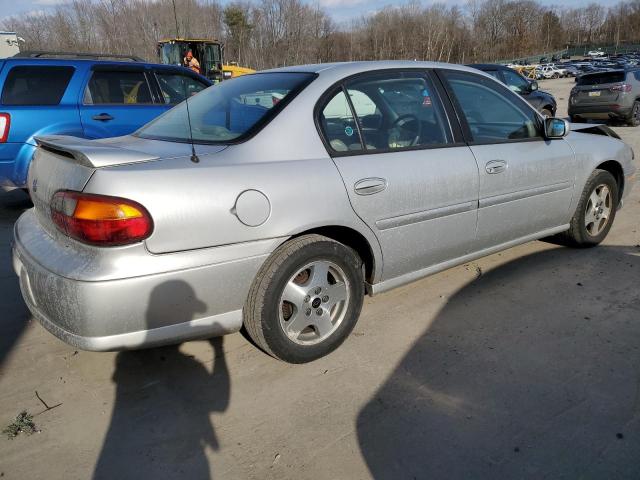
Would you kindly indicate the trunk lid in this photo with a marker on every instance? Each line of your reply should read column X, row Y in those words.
column 67, row 163
column 598, row 88
column 49, row 172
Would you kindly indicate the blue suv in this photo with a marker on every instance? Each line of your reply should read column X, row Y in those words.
column 81, row 95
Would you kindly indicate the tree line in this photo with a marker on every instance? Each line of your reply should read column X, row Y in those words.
column 270, row 33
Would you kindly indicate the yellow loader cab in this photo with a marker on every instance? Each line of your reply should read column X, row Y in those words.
column 208, row 53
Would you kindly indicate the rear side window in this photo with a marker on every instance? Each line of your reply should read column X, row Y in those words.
column 601, row 78
column 117, row 88
column 36, row 85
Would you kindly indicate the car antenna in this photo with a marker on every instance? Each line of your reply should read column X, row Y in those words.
column 194, row 155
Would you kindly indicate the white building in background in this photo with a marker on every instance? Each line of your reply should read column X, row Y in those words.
column 9, row 44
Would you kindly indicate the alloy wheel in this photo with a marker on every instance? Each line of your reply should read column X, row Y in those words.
column 598, row 210
column 314, row 302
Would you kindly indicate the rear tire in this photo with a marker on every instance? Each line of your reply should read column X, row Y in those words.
column 634, row 118
column 546, row 113
column 595, row 212
column 306, row 299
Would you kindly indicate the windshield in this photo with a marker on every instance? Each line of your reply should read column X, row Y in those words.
column 229, row 110
column 170, row 54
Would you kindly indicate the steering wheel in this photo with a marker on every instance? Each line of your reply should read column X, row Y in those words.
column 405, row 131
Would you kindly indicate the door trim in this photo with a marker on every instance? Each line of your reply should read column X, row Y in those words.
column 521, row 194
column 424, row 215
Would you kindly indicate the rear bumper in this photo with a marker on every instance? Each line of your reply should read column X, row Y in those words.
column 133, row 312
column 602, row 112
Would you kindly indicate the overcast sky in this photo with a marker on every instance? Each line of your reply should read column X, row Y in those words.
column 340, row 10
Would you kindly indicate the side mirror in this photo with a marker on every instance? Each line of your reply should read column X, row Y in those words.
column 533, row 86
column 556, row 127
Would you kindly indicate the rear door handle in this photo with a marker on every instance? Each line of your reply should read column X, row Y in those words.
column 103, row 117
column 495, row 166
column 369, row 186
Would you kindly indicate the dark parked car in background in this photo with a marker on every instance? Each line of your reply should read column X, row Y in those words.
column 613, row 94
column 542, row 101
column 84, row 95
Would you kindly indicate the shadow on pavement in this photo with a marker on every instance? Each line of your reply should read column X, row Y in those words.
column 530, row 371
column 14, row 314
column 161, row 426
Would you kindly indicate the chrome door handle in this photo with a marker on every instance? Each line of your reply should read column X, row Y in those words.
column 495, row 166
column 369, row 186
column 103, row 117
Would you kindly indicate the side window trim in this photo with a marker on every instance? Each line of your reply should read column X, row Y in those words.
column 453, row 124
column 354, row 115
column 440, row 72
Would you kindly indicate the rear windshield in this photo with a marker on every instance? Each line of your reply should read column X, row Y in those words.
column 36, row 85
column 230, row 110
column 601, row 78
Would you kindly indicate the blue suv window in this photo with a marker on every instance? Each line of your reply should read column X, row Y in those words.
column 27, row 85
column 117, row 88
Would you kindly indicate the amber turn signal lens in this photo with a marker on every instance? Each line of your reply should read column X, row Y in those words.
column 99, row 219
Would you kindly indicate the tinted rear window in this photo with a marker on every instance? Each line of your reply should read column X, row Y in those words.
column 228, row 111
column 601, row 78
column 36, row 85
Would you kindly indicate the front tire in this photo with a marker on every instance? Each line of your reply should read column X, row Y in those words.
column 306, row 299
column 595, row 212
column 546, row 113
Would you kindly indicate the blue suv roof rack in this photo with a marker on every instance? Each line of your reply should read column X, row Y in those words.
column 77, row 55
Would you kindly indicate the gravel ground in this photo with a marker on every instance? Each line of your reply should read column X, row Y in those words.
column 525, row 364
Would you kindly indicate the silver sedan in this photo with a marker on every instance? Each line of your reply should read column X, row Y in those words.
column 275, row 201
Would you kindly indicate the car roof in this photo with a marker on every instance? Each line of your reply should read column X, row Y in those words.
column 488, row 66
column 80, row 61
column 342, row 69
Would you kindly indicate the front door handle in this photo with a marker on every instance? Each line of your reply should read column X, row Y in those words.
column 103, row 117
column 369, row 186
column 495, row 166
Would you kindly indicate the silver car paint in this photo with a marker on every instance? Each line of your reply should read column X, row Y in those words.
column 101, row 298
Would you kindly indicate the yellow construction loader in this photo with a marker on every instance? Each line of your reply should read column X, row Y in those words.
column 209, row 55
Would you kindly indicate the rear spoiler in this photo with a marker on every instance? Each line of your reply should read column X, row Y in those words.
column 90, row 153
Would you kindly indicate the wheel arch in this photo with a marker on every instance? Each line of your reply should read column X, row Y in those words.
column 351, row 237
column 614, row 168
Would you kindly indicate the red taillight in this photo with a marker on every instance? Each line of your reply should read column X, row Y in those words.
column 624, row 88
column 99, row 219
column 5, row 123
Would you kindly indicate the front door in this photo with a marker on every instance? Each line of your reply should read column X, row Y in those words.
column 526, row 181
column 117, row 102
column 405, row 175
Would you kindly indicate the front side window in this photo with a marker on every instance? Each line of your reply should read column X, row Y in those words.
column 492, row 114
column 230, row 110
column 117, row 88
column 393, row 110
column 36, row 85
column 175, row 87
column 515, row 82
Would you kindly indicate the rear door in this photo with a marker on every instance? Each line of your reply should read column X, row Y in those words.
column 39, row 98
column 526, row 181
column 117, row 100
column 408, row 174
